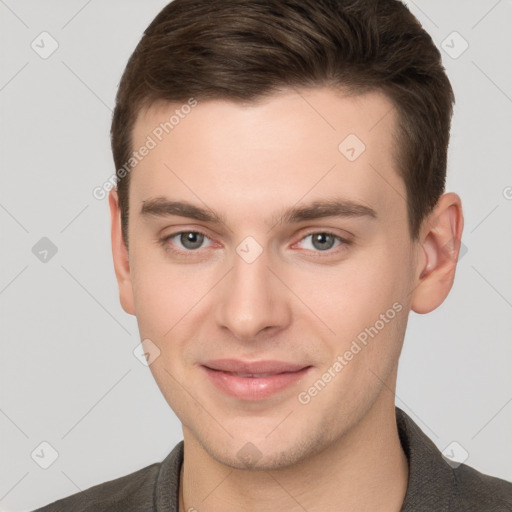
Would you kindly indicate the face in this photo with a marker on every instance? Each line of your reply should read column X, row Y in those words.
column 271, row 265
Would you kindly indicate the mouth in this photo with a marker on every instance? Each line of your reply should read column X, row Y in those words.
column 253, row 381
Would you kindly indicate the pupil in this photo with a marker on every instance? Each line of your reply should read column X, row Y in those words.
column 191, row 240
column 323, row 241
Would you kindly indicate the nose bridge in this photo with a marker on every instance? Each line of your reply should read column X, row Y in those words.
column 251, row 299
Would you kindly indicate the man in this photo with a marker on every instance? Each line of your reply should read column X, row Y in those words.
column 279, row 211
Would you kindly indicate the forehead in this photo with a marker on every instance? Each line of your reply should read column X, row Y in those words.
column 291, row 146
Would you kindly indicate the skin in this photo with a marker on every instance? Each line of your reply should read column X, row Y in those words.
column 298, row 301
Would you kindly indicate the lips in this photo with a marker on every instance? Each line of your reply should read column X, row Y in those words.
column 255, row 380
column 254, row 368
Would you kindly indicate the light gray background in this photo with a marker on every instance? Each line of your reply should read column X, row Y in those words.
column 68, row 373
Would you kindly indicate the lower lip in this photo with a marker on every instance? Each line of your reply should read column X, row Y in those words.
column 254, row 388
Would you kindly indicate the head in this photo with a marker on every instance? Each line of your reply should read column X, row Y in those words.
column 288, row 206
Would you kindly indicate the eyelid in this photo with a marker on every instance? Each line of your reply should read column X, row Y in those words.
column 165, row 240
column 343, row 241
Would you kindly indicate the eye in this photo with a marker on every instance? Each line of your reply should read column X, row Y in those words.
column 322, row 241
column 187, row 240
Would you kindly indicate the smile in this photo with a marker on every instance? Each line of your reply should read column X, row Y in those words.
column 253, row 381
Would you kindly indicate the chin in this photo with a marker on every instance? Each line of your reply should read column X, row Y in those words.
column 263, row 454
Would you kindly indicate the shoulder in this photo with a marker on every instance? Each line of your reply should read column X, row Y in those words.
column 135, row 489
column 148, row 489
column 437, row 483
column 475, row 489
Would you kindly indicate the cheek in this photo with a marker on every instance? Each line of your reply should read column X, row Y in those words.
column 363, row 301
column 169, row 297
column 357, row 290
column 158, row 295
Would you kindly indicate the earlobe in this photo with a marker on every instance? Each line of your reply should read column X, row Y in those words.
column 439, row 246
column 120, row 256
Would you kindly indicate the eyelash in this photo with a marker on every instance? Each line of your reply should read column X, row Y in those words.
column 189, row 252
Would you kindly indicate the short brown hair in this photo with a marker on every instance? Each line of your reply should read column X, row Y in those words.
column 243, row 50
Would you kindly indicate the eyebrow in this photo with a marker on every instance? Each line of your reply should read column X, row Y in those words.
column 162, row 207
column 325, row 208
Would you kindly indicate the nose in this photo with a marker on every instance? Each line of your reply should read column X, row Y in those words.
column 252, row 300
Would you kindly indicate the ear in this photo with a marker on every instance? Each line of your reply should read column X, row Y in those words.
column 120, row 255
column 439, row 246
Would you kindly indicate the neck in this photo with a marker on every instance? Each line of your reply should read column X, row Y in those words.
column 365, row 470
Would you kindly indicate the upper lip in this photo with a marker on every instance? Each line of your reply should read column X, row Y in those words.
column 253, row 367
